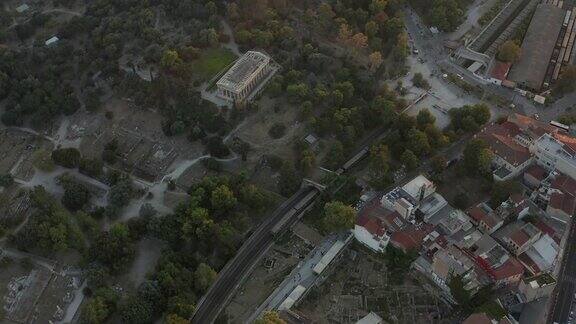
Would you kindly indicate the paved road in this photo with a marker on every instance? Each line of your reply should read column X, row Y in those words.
column 566, row 285
column 246, row 258
column 432, row 49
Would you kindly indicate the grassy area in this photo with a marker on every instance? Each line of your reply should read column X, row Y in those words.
column 211, row 62
column 490, row 14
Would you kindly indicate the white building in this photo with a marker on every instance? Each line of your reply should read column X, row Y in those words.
column 371, row 232
column 371, row 318
column 419, row 188
column 245, row 77
column 553, row 154
column 534, row 288
column 22, row 8
column 509, row 146
column 542, row 256
column 52, row 41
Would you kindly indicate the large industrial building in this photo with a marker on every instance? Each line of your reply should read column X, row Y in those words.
column 245, row 78
column 538, row 47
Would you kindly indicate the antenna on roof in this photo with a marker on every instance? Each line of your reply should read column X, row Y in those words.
column 422, row 192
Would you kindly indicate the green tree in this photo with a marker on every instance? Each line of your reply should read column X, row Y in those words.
column 509, row 52
column 438, row 163
column 75, row 196
column 170, row 60
column 49, row 227
column 290, row 179
column 462, row 296
column 66, row 157
column 254, row 197
column 270, row 317
column 477, row 158
column 91, row 167
column 418, row 142
column 326, row 14
column 175, row 319
column 419, row 81
column 204, row 276
column 114, row 248
column 338, row 216
column 567, row 81
column 335, row 156
column 222, row 199
column 371, row 28
column 6, row 180
column 469, row 118
column 398, row 263
column 95, row 311
column 136, row 311
column 307, row 161
column 409, row 160
column 502, row 190
column 297, row 92
column 379, row 159
column 119, row 196
column 425, row 118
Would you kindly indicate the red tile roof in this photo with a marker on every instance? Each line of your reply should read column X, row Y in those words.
column 567, row 140
column 546, row 229
column 531, row 125
column 564, row 202
column 478, row 318
column 537, row 172
column 372, row 225
column 519, row 237
column 479, row 215
column 377, row 219
column 394, row 221
column 529, row 264
column 476, row 213
column 410, row 238
column 516, row 198
column 500, row 70
column 510, row 268
column 500, row 139
column 565, row 184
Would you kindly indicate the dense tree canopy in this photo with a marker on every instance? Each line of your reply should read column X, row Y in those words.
column 469, row 118
column 49, row 228
column 338, row 216
column 509, row 52
column 477, row 158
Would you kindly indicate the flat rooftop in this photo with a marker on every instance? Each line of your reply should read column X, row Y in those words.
column 538, row 46
column 560, row 150
column 243, row 70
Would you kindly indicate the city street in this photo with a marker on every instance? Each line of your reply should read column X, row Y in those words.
column 563, row 304
column 437, row 58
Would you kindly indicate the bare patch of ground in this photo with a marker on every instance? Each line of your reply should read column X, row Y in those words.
column 269, row 273
column 142, row 146
column 360, row 285
column 16, row 149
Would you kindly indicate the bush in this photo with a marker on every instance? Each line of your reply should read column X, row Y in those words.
column 212, row 164
column 278, row 130
column 42, row 161
column 91, row 167
column 274, row 161
column 419, row 81
column 6, row 180
column 66, row 157
column 75, row 195
column 216, row 147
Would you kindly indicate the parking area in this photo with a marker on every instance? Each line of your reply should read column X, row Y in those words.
column 442, row 96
